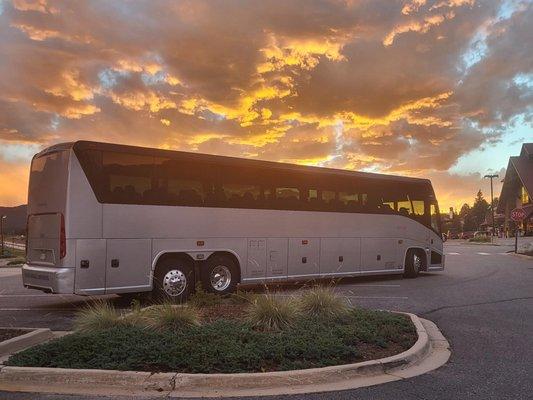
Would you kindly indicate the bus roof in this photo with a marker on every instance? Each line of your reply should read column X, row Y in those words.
column 236, row 161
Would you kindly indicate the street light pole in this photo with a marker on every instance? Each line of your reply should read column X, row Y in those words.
column 491, row 177
column 2, row 232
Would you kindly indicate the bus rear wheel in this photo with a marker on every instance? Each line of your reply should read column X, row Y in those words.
column 173, row 280
column 220, row 275
column 413, row 264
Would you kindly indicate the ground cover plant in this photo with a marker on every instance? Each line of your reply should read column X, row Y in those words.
column 264, row 332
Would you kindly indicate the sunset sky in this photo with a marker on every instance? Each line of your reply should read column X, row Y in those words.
column 439, row 89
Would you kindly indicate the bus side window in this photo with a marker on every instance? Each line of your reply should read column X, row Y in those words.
column 435, row 221
column 349, row 201
column 288, row 198
column 242, row 195
column 404, row 207
column 128, row 176
column 313, row 200
column 181, row 183
column 328, row 200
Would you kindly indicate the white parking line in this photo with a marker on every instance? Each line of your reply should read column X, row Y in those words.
column 484, row 254
column 357, row 285
column 453, row 254
column 358, row 297
column 378, row 297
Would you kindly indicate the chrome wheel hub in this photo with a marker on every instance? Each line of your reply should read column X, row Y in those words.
column 417, row 262
column 174, row 282
column 220, row 278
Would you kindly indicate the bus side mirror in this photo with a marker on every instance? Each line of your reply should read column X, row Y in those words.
column 444, row 237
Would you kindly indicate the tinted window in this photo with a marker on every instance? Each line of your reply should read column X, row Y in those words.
column 177, row 182
column 435, row 218
column 242, row 195
column 126, row 178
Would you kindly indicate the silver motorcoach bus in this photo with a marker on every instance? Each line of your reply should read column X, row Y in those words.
column 107, row 218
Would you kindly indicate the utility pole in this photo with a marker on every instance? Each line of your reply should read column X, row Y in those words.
column 2, row 232
column 491, row 177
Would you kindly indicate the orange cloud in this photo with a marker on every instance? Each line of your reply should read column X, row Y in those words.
column 377, row 86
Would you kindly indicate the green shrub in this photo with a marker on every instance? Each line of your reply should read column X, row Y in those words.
column 200, row 298
column 226, row 346
column 98, row 316
column 270, row 313
column 171, row 317
column 323, row 302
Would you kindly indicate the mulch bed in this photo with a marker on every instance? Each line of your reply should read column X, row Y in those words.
column 222, row 311
column 8, row 333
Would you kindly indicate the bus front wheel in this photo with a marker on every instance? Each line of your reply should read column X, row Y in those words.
column 173, row 280
column 413, row 264
column 220, row 275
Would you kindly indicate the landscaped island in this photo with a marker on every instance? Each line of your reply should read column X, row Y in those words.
column 242, row 333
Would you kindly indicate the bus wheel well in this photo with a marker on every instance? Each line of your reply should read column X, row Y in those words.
column 421, row 253
column 229, row 255
column 175, row 256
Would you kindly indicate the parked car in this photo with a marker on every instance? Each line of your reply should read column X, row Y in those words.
column 467, row 235
column 454, row 235
column 478, row 234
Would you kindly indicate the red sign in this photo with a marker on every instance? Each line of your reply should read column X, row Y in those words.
column 518, row 214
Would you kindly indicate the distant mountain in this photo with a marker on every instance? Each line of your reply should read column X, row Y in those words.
column 15, row 223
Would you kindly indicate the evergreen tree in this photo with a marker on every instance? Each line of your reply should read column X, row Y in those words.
column 479, row 210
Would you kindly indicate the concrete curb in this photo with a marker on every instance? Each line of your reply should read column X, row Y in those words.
column 525, row 256
column 430, row 345
column 33, row 337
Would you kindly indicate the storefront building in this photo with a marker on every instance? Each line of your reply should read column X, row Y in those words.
column 517, row 191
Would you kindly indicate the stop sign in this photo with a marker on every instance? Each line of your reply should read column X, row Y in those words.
column 518, row 214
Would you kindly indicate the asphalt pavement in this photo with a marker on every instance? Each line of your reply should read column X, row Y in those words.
column 482, row 302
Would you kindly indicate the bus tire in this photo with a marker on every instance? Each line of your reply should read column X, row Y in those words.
column 173, row 280
column 220, row 274
column 413, row 264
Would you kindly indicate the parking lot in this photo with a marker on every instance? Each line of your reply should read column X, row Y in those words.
column 482, row 302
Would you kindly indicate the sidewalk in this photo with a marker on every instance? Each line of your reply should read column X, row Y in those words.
column 525, row 244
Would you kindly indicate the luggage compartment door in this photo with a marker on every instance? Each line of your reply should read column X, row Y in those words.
column 340, row 256
column 90, row 266
column 128, row 265
column 379, row 254
column 256, row 265
column 304, row 257
column 277, row 257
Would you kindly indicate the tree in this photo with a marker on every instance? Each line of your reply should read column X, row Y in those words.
column 465, row 210
column 479, row 210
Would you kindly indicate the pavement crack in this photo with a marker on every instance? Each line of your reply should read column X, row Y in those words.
column 475, row 304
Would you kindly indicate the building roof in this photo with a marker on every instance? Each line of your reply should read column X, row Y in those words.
column 527, row 150
column 519, row 170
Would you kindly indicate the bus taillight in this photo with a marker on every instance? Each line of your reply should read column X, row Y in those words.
column 26, row 238
column 62, row 239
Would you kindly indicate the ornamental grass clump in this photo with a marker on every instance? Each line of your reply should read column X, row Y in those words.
column 242, row 297
column 201, row 299
column 98, row 316
column 324, row 303
column 270, row 313
column 171, row 317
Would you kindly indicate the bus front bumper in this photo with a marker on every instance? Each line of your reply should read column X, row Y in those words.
column 48, row 279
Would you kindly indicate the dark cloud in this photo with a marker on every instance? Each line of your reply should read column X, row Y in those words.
column 389, row 85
